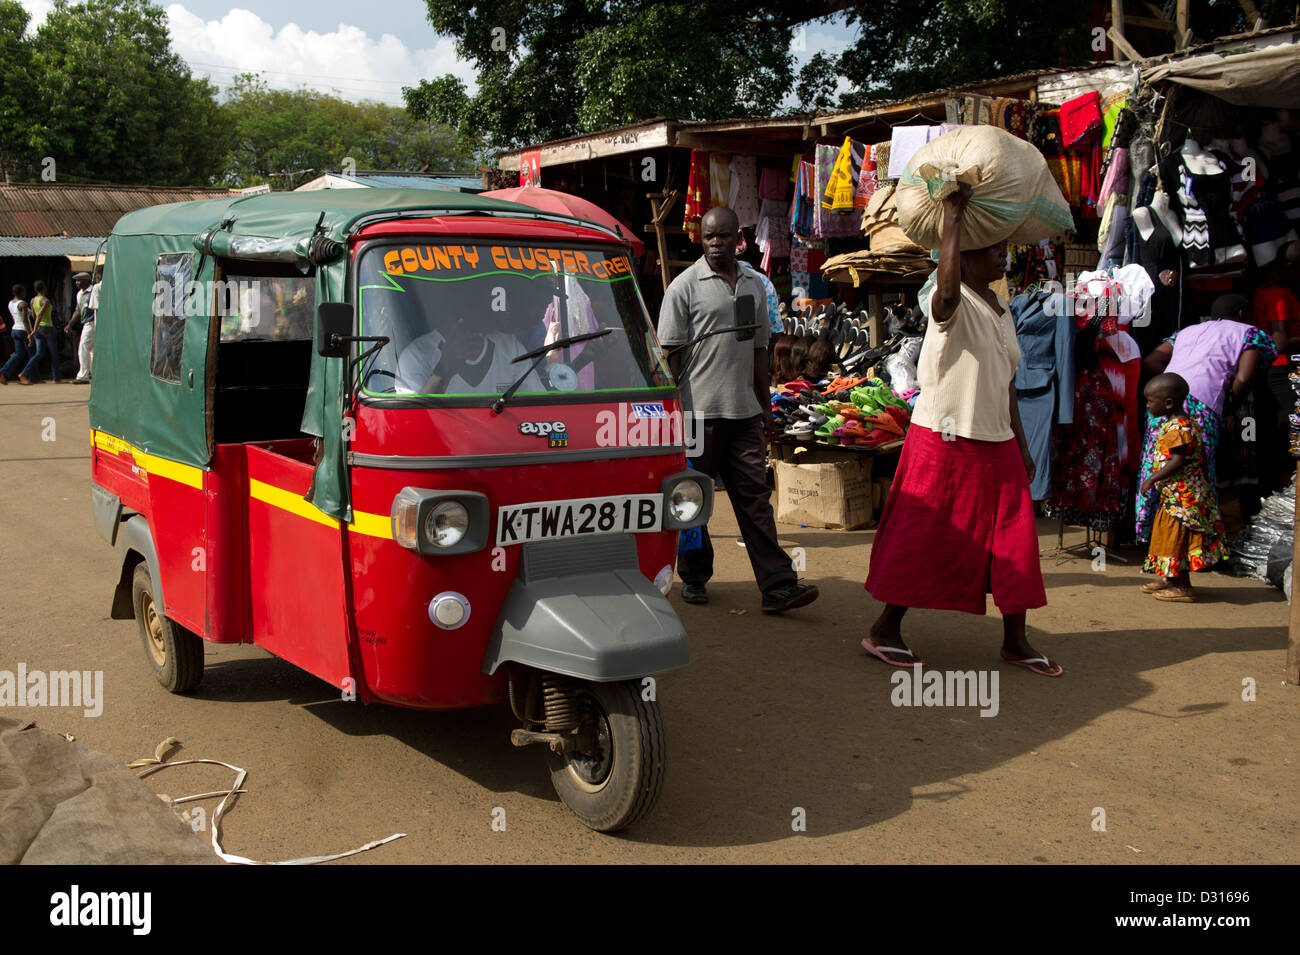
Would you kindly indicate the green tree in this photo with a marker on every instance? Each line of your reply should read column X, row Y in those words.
column 550, row 70
column 18, row 128
column 114, row 103
column 285, row 137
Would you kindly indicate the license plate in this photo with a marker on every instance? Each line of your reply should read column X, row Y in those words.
column 582, row 517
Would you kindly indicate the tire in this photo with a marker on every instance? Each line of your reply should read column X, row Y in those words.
column 174, row 653
column 613, row 787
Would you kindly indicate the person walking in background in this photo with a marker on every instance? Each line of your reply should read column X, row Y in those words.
column 1186, row 532
column 85, row 314
column 20, row 325
column 724, row 383
column 959, row 522
column 44, row 337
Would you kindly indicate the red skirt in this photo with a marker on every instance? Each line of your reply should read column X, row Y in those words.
column 959, row 524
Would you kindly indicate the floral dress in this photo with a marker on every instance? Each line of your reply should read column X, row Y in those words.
column 1087, row 488
column 1187, row 533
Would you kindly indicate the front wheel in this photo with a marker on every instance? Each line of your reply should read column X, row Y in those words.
column 616, row 773
column 174, row 653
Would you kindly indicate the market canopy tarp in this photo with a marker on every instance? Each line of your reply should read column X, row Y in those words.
column 1268, row 77
column 64, row 804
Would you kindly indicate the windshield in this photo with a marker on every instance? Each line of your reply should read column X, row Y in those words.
column 458, row 315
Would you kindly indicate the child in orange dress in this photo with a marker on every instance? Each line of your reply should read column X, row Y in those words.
column 1187, row 533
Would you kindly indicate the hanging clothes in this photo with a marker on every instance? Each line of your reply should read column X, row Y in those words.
column 867, row 182
column 697, row 194
column 719, row 179
column 1087, row 486
column 773, row 184
column 801, row 209
column 1119, row 359
column 743, row 195
column 1044, row 377
column 838, row 194
column 827, row 224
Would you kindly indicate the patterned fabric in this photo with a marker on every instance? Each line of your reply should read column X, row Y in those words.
column 1196, row 228
column 697, row 194
column 799, row 272
column 773, row 301
column 1188, row 497
column 1209, row 424
column 866, row 180
column 1175, row 548
column 1087, row 488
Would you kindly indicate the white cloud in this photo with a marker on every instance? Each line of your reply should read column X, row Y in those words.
column 38, row 10
column 347, row 62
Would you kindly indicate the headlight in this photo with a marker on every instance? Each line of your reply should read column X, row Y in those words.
column 446, row 524
column 685, row 500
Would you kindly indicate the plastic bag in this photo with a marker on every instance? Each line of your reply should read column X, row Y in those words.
column 1013, row 194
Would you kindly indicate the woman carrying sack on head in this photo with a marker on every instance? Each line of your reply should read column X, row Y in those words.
column 959, row 522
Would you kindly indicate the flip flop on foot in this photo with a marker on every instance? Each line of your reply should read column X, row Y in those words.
column 1040, row 665
column 879, row 654
column 1179, row 594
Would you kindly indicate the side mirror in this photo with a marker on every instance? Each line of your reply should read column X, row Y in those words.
column 744, row 307
column 334, row 329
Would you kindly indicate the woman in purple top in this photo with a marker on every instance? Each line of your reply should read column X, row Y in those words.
column 1218, row 359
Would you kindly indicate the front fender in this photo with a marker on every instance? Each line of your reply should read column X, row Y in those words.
column 563, row 615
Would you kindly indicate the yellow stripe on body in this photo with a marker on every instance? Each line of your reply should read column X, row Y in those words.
column 371, row 525
column 151, row 464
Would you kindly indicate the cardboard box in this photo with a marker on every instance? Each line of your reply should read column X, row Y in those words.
column 830, row 494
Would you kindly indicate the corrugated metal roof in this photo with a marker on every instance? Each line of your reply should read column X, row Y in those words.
column 32, row 209
column 472, row 183
column 49, row 245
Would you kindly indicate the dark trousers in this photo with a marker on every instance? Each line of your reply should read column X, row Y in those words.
column 734, row 448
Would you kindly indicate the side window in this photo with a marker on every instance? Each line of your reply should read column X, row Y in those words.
column 173, row 277
column 266, row 307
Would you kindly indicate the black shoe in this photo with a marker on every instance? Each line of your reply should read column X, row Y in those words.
column 694, row 593
column 787, row 597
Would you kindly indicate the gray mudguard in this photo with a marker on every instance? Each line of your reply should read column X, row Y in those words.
column 582, row 608
column 134, row 536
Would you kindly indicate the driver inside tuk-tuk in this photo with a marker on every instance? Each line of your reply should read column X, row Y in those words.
column 468, row 360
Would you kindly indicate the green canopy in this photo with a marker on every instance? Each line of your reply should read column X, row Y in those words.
column 170, row 416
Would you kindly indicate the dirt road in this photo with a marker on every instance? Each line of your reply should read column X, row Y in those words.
column 1145, row 752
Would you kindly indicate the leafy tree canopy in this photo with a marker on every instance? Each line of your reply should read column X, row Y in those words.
column 285, row 137
column 110, row 101
column 549, row 70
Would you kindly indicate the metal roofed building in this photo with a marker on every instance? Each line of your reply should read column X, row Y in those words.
column 381, row 179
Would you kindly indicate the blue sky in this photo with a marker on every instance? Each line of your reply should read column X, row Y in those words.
column 354, row 50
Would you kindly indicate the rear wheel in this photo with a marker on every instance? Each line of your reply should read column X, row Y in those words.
column 174, row 653
column 616, row 773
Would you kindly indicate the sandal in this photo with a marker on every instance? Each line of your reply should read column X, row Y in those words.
column 1177, row 594
column 879, row 654
column 1152, row 586
column 1037, row 665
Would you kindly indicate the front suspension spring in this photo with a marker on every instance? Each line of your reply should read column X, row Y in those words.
column 559, row 704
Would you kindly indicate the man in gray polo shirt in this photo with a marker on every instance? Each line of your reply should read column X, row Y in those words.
column 725, row 383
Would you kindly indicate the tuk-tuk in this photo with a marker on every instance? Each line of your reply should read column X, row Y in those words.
column 423, row 445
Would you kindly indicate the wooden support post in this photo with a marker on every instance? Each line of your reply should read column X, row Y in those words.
column 1180, row 21
column 876, row 317
column 1123, row 45
column 1293, row 634
column 660, row 211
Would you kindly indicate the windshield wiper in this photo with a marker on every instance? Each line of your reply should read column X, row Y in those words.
column 539, row 354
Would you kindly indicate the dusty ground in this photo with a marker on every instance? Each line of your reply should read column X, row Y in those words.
column 774, row 714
